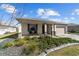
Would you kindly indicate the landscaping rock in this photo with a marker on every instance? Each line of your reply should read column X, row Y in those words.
column 11, row 51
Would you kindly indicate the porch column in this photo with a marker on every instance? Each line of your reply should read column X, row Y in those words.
column 45, row 28
column 25, row 29
column 39, row 28
column 66, row 29
column 54, row 29
column 20, row 31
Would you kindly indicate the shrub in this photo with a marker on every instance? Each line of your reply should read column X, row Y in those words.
column 43, row 45
column 26, row 38
column 36, row 45
column 35, row 39
column 19, row 42
column 31, row 49
column 48, row 42
column 33, row 46
column 72, row 31
column 9, row 44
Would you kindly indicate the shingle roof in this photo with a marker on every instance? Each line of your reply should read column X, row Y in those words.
column 39, row 20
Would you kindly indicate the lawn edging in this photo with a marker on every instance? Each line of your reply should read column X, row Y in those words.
column 56, row 48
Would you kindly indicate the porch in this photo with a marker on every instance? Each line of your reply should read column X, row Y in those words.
column 39, row 29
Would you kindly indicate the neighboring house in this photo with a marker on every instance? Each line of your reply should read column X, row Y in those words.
column 6, row 29
column 73, row 27
column 39, row 27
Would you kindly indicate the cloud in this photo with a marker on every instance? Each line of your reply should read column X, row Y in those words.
column 11, row 10
column 72, row 18
column 56, row 19
column 46, row 13
column 24, row 16
column 64, row 20
column 8, row 8
column 40, row 12
column 75, row 12
column 61, row 20
column 50, row 12
column 68, row 19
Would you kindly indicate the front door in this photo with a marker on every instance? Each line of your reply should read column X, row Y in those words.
column 32, row 28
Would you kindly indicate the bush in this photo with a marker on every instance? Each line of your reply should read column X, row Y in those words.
column 72, row 31
column 37, row 45
column 48, row 42
column 35, row 39
column 34, row 46
column 31, row 49
column 9, row 44
column 26, row 38
column 19, row 42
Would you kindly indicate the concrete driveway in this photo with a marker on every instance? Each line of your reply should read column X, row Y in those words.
column 73, row 36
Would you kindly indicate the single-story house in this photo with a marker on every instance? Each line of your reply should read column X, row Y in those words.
column 40, row 27
column 73, row 27
column 7, row 29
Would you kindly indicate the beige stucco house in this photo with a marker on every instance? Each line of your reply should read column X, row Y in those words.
column 41, row 27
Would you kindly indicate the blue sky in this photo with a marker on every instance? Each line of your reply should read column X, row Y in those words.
column 61, row 12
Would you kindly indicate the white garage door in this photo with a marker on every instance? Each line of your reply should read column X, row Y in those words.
column 60, row 31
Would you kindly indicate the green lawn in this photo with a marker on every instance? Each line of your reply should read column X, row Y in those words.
column 68, row 51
